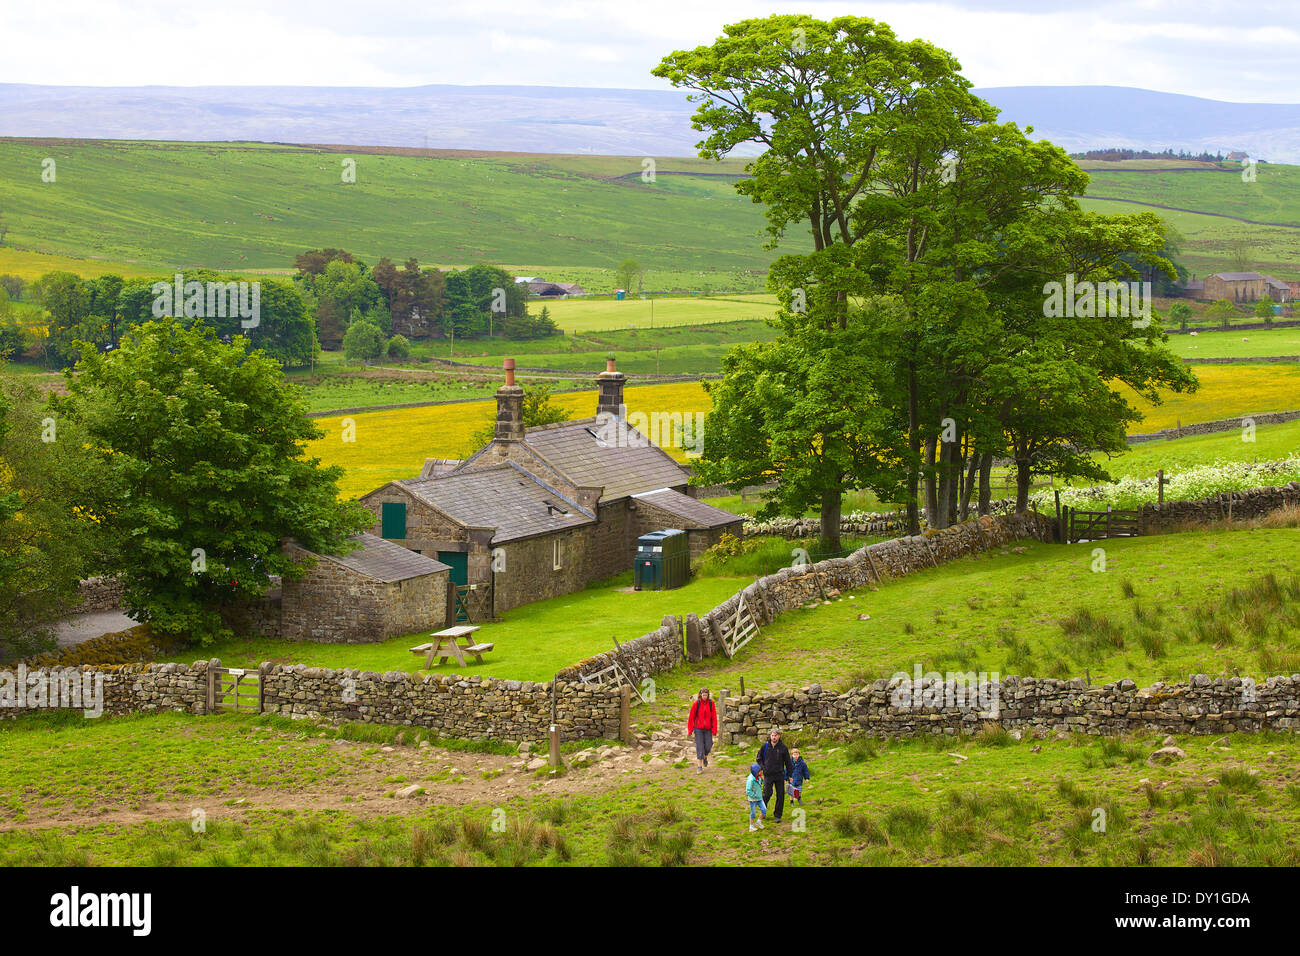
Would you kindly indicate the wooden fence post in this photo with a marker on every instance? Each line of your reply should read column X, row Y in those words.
column 625, row 714
column 555, row 745
column 721, row 705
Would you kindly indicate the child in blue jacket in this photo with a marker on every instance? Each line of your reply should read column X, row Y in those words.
column 754, row 791
column 799, row 772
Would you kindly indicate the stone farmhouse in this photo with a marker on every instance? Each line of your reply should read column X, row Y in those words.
column 1244, row 287
column 540, row 512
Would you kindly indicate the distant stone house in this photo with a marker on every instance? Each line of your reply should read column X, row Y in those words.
column 542, row 512
column 1244, row 287
column 377, row 591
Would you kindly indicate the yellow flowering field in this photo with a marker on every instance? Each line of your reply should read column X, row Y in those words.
column 393, row 444
column 1226, row 391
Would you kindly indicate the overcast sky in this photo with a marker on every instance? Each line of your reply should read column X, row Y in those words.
column 1245, row 50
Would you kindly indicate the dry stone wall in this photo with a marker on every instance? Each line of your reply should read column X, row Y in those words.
column 1201, row 705
column 126, row 689
column 652, row 653
column 1235, row 505
column 469, row 708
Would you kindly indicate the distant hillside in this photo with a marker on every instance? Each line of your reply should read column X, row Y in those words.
column 245, row 206
column 1089, row 117
column 601, row 121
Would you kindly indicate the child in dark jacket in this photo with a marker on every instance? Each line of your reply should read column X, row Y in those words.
column 799, row 772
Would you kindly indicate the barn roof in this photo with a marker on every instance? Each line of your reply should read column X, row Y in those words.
column 505, row 497
column 1238, row 276
column 693, row 512
column 384, row 561
column 606, row 453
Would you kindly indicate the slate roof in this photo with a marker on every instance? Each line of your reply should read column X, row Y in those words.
column 695, row 513
column 504, row 497
column 606, row 453
column 1235, row 276
column 384, row 561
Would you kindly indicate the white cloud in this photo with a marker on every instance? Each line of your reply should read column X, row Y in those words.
column 1214, row 48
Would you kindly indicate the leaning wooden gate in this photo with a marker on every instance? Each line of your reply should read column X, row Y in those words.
column 234, row 690
column 740, row 630
column 472, row 604
column 1095, row 525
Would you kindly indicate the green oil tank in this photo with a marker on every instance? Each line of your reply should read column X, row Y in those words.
column 663, row 560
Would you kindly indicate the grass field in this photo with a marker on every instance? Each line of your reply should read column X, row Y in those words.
column 1144, row 459
column 1018, row 613
column 274, row 791
column 125, row 791
column 532, row 642
column 596, row 315
column 1201, row 198
column 1255, row 343
column 253, row 206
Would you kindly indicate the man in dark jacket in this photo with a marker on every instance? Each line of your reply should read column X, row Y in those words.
column 775, row 759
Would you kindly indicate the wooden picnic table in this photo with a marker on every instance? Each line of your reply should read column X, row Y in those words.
column 447, row 644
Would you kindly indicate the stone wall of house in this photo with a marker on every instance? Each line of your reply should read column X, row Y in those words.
column 261, row 617
column 335, row 605
column 650, row 517
column 473, row 708
column 415, row 604
column 612, row 541
column 1201, row 705
column 649, row 654
column 530, row 573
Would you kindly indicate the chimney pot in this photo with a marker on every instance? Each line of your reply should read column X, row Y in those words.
column 509, row 366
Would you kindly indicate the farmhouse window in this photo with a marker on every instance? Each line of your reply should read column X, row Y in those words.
column 392, row 522
column 556, row 563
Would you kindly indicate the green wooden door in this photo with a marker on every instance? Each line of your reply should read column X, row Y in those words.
column 458, row 561
column 392, row 520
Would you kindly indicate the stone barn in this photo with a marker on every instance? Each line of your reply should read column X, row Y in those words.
column 378, row 591
column 540, row 512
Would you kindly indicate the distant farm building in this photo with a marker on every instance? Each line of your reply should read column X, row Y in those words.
column 554, row 290
column 1244, row 287
column 541, row 512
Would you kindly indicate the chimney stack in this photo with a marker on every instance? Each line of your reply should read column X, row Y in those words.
column 510, row 407
column 610, row 384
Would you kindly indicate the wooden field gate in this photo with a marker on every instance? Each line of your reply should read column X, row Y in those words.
column 1096, row 525
column 234, row 690
column 740, row 630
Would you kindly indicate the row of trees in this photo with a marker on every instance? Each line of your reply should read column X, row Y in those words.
column 415, row 302
column 916, row 347
column 76, row 311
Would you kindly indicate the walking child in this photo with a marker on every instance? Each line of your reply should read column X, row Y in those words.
column 800, row 772
column 754, row 791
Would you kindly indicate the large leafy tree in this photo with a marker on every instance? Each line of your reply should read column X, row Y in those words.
column 46, row 543
column 802, row 410
column 200, row 472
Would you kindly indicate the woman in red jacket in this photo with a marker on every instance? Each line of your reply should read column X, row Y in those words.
column 703, row 723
